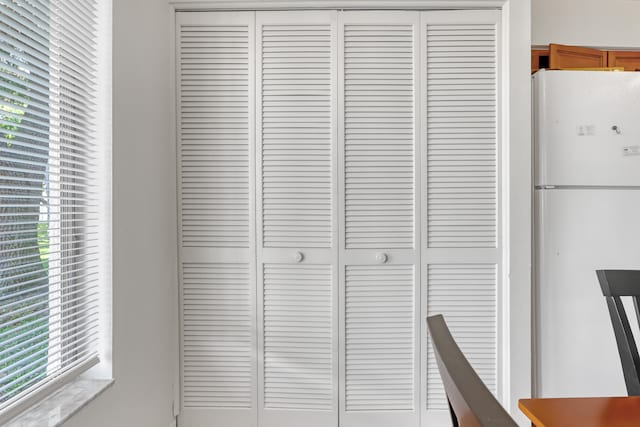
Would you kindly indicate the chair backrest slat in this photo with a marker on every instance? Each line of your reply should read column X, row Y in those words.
column 616, row 284
column 471, row 402
column 619, row 282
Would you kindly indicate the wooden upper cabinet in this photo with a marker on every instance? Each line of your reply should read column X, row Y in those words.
column 561, row 56
column 539, row 59
column 630, row 61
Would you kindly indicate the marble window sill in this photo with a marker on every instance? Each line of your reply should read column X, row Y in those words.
column 61, row 405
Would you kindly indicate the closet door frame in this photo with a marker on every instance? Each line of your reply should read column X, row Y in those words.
column 516, row 302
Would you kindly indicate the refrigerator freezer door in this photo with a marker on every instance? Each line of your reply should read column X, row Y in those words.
column 578, row 232
column 587, row 128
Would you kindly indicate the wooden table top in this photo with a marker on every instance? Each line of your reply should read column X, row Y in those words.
column 583, row 411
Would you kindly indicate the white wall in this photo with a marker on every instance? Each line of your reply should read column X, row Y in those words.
column 144, row 224
column 597, row 23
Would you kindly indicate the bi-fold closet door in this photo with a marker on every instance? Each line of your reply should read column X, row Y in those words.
column 379, row 168
column 297, row 219
column 338, row 182
column 215, row 70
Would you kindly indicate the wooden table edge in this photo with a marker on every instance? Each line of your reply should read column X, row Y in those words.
column 528, row 413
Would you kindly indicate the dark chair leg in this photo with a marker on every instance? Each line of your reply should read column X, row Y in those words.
column 454, row 419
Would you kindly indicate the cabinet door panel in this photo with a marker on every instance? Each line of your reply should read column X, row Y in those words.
column 561, row 57
column 630, row 61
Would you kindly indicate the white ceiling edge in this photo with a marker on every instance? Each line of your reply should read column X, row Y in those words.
column 334, row 4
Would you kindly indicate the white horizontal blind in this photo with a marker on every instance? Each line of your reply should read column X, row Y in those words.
column 49, row 184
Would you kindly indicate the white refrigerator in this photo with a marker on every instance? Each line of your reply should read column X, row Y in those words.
column 587, row 211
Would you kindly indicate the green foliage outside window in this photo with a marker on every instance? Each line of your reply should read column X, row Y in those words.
column 24, row 235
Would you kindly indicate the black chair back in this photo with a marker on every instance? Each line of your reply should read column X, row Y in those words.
column 470, row 402
column 616, row 284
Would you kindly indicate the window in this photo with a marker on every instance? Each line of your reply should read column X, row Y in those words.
column 51, row 177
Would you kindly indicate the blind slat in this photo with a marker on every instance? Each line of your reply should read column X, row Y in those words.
column 87, row 308
column 43, row 332
column 39, row 306
column 17, row 286
column 27, row 370
column 37, row 10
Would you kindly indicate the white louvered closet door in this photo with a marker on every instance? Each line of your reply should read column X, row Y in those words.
column 297, row 255
column 461, row 218
column 379, row 253
column 339, row 177
column 215, row 101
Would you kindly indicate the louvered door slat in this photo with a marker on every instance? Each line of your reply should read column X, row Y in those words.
column 297, row 192
column 462, row 171
column 298, row 335
column 379, row 336
column 214, row 135
column 379, row 136
column 466, row 295
column 217, row 330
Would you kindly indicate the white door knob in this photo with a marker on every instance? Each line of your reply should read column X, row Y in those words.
column 298, row 256
column 382, row 258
